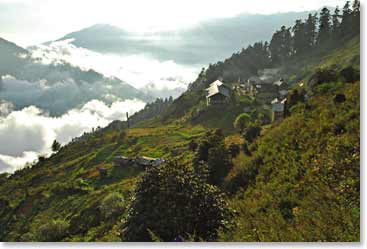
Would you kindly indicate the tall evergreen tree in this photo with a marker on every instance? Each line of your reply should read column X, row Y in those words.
column 275, row 48
column 336, row 23
column 287, row 43
column 346, row 23
column 281, row 45
column 299, row 37
column 324, row 26
column 310, row 31
column 356, row 17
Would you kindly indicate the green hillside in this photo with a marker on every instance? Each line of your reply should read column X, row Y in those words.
column 292, row 180
column 302, row 181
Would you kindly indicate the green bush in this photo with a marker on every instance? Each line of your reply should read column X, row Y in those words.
column 349, row 74
column 52, row 231
column 252, row 132
column 234, row 149
column 173, row 200
column 112, row 205
column 242, row 121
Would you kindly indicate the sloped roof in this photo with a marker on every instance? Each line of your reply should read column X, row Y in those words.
column 218, row 87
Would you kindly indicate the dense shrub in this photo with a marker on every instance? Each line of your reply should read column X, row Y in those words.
column 242, row 121
column 212, row 151
column 88, row 218
column 52, row 231
column 323, row 76
column 349, row 74
column 173, row 200
column 339, row 98
column 252, row 132
column 112, row 205
column 234, row 149
column 218, row 163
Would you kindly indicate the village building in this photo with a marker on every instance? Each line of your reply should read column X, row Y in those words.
column 282, row 88
column 123, row 161
column 145, row 161
column 218, row 93
column 265, row 92
column 141, row 161
column 278, row 108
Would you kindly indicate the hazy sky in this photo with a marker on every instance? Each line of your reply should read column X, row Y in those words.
column 29, row 22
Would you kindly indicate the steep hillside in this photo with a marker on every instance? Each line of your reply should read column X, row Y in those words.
column 301, row 182
column 69, row 188
column 302, row 173
column 193, row 101
column 296, row 179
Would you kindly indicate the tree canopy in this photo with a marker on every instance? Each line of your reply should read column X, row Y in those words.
column 173, row 200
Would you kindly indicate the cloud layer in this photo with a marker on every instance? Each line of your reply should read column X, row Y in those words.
column 164, row 78
column 29, row 132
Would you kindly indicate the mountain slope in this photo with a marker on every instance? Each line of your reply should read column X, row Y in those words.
column 301, row 182
column 294, row 179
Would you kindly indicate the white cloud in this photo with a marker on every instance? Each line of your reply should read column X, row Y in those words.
column 30, row 132
column 138, row 70
column 62, row 95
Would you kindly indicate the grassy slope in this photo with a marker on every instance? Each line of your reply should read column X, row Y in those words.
column 36, row 194
column 302, row 181
column 346, row 55
column 40, row 193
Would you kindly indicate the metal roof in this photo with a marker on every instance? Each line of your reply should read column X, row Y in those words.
column 218, row 87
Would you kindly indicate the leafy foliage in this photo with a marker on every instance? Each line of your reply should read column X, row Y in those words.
column 242, row 121
column 173, row 200
column 54, row 230
column 112, row 205
column 56, row 146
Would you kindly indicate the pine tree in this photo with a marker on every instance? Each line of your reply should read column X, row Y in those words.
column 346, row 23
column 287, row 43
column 281, row 45
column 324, row 26
column 275, row 48
column 56, row 146
column 310, row 31
column 336, row 23
column 356, row 17
column 299, row 37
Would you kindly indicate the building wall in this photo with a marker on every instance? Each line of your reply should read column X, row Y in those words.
column 217, row 99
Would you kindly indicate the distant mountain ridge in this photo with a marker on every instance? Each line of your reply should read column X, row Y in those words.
column 204, row 43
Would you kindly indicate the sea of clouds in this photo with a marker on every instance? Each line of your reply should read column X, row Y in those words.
column 33, row 113
column 158, row 78
column 29, row 132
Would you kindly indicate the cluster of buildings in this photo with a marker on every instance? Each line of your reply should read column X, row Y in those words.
column 267, row 87
column 141, row 161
